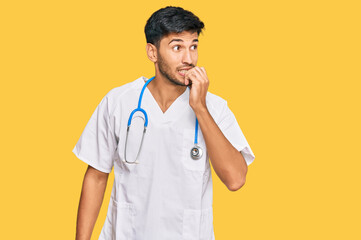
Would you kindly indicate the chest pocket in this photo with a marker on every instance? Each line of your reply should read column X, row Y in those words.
column 199, row 165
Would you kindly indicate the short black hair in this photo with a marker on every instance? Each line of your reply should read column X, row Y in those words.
column 170, row 20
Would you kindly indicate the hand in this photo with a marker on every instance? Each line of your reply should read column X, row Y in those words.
column 198, row 83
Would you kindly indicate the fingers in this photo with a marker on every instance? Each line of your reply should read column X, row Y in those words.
column 190, row 76
column 196, row 73
column 199, row 73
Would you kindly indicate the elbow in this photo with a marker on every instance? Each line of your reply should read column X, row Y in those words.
column 236, row 186
column 238, row 178
column 238, row 181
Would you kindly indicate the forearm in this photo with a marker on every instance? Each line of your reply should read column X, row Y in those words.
column 91, row 199
column 227, row 161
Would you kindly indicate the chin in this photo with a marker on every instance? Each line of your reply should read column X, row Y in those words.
column 181, row 80
column 177, row 81
column 182, row 83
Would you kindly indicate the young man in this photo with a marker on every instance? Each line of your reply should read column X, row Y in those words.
column 168, row 194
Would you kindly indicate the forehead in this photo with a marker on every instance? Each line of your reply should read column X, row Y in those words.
column 184, row 36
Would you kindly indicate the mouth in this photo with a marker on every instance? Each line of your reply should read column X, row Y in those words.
column 183, row 72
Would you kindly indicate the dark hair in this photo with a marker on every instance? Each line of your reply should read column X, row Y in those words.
column 171, row 20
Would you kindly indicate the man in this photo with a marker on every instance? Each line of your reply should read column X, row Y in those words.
column 168, row 194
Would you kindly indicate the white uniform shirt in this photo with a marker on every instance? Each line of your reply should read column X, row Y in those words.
column 168, row 195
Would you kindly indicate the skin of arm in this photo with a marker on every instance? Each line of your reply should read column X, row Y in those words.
column 94, row 185
column 227, row 161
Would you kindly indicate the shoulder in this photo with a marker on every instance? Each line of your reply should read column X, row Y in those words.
column 215, row 100
column 123, row 90
column 123, row 93
column 117, row 96
column 216, row 106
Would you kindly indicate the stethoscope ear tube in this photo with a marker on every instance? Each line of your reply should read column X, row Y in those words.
column 140, row 147
column 140, row 109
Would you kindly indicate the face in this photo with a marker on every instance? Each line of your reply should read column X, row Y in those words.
column 177, row 54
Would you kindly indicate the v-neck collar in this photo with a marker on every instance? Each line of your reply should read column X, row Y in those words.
column 174, row 111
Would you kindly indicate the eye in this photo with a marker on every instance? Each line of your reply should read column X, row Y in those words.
column 194, row 47
column 176, row 47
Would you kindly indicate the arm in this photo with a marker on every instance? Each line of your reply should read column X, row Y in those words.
column 228, row 163
column 91, row 199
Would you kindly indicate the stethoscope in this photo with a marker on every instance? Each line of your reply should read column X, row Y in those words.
column 196, row 151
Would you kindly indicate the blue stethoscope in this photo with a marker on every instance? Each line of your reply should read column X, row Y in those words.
column 196, row 151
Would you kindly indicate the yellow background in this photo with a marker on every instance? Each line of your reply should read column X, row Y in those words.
column 290, row 71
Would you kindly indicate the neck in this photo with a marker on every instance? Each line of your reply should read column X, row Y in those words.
column 164, row 91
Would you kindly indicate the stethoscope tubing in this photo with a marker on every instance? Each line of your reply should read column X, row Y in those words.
column 140, row 109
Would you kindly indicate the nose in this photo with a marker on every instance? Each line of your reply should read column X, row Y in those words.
column 187, row 58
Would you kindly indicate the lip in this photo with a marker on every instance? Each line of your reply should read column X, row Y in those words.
column 182, row 74
column 183, row 69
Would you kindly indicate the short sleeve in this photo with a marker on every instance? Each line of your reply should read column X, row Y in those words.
column 231, row 130
column 97, row 144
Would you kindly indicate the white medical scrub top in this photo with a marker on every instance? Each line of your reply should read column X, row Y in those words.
column 168, row 195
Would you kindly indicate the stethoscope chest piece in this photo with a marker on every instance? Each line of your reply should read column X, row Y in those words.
column 196, row 152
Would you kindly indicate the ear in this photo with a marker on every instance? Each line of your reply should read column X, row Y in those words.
column 151, row 52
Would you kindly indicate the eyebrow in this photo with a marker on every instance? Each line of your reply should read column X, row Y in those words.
column 180, row 40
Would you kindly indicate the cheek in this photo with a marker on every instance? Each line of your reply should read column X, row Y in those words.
column 170, row 59
column 195, row 57
column 174, row 59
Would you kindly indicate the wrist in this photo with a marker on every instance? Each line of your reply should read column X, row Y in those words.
column 200, row 109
